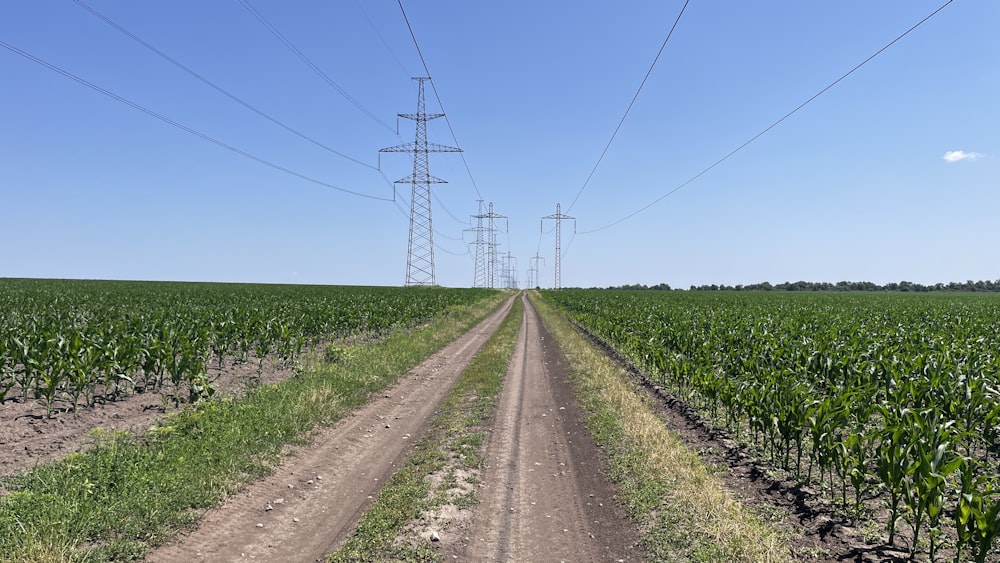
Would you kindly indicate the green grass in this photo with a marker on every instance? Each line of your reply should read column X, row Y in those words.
column 684, row 511
column 454, row 443
column 128, row 493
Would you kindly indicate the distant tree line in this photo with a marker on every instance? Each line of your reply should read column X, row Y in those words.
column 657, row 287
column 839, row 286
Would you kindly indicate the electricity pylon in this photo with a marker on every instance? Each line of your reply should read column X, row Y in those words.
column 479, row 277
column 559, row 217
column 491, row 246
column 510, row 271
column 534, row 277
column 420, row 251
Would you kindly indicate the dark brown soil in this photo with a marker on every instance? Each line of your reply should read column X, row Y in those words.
column 29, row 435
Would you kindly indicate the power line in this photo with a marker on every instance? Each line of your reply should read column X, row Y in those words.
column 630, row 104
column 319, row 72
column 180, row 126
column 218, row 88
column 361, row 7
column 569, row 244
column 541, row 234
column 771, row 126
column 437, row 233
column 440, row 234
column 447, row 121
column 403, row 210
column 446, row 210
column 446, row 251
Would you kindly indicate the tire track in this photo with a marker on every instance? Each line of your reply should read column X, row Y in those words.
column 314, row 499
column 511, row 405
column 545, row 497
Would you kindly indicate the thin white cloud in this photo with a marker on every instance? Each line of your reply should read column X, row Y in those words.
column 956, row 156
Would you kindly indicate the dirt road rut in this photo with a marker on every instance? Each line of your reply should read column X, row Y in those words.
column 314, row 499
column 545, row 497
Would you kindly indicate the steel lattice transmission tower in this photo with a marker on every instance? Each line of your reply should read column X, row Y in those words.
column 491, row 266
column 510, row 271
column 479, row 277
column 420, row 253
column 559, row 217
column 534, row 273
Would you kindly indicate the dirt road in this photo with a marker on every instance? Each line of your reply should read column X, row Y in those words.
column 544, row 497
column 313, row 500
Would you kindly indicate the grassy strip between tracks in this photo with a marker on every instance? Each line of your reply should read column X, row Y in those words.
column 444, row 466
column 128, row 493
column 685, row 513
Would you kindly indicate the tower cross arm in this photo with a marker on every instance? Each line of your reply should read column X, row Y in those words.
column 413, row 147
column 424, row 116
column 421, row 178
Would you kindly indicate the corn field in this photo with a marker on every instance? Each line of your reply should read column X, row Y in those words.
column 889, row 402
column 70, row 344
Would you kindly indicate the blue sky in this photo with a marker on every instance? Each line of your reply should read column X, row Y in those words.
column 890, row 175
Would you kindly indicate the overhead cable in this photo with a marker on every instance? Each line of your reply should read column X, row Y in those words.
column 378, row 34
column 403, row 211
column 180, row 126
column 771, row 126
column 446, row 251
column 218, row 88
column 319, row 72
column 427, row 72
column 446, row 210
column 630, row 104
column 437, row 233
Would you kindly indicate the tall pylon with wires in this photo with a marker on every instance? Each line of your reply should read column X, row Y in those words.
column 493, row 264
column 486, row 248
column 479, row 277
column 559, row 217
column 420, row 252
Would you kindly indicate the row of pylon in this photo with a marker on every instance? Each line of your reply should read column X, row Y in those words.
column 420, row 270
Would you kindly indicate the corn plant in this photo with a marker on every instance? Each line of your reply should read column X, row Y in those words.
column 926, row 484
column 76, row 341
column 882, row 394
column 7, row 381
column 977, row 517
